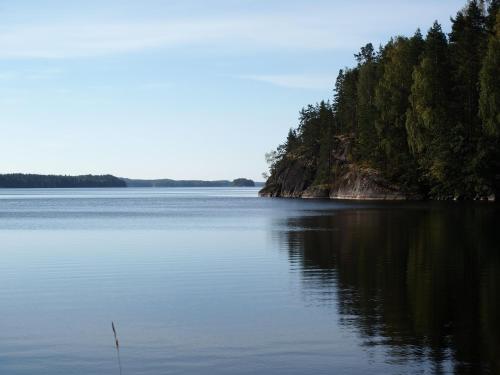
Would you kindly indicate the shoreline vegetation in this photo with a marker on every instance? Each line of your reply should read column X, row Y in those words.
column 20, row 180
column 419, row 118
column 239, row 182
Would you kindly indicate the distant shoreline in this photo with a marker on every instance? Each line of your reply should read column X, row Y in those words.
column 239, row 182
column 38, row 181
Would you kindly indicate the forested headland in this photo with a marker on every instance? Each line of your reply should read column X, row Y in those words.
column 417, row 117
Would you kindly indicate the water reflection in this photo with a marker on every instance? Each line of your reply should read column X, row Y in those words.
column 422, row 282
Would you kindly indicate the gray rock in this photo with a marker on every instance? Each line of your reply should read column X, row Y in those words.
column 296, row 177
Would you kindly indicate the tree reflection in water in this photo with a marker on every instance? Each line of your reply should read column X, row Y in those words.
column 422, row 280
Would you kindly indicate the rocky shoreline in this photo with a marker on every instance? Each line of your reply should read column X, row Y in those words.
column 353, row 185
column 322, row 192
column 348, row 181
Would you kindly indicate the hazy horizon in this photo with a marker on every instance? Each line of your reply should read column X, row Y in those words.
column 178, row 90
column 261, row 179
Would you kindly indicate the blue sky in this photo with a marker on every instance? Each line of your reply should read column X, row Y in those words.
column 176, row 89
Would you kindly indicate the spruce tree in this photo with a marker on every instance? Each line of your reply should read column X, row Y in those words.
column 428, row 118
column 490, row 85
column 344, row 102
column 326, row 123
column 493, row 9
column 467, row 45
column 392, row 101
column 489, row 152
column 367, row 139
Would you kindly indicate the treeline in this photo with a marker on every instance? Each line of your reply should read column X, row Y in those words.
column 239, row 182
column 18, row 180
column 424, row 110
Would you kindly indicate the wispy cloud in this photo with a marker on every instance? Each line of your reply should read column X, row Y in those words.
column 30, row 74
column 69, row 41
column 342, row 26
column 301, row 81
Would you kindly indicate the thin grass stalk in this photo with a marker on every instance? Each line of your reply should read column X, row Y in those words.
column 117, row 345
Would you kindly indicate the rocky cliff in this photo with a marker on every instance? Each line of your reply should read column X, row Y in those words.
column 297, row 178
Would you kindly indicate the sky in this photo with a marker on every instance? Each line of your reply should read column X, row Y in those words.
column 182, row 89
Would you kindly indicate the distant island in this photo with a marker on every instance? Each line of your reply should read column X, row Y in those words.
column 20, row 180
column 419, row 118
column 239, row 182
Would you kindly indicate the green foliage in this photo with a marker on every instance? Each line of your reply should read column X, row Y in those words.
column 18, row 180
column 344, row 101
column 491, row 18
column 423, row 112
column 429, row 112
column 366, row 112
column 468, row 41
column 324, row 168
column 488, row 160
column 490, row 85
column 467, row 44
column 392, row 101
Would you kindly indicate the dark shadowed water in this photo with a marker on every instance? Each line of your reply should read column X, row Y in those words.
column 218, row 281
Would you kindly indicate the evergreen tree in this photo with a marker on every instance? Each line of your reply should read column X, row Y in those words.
column 366, row 137
column 344, row 102
column 291, row 141
column 310, row 132
column 392, row 101
column 490, row 85
column 467, row 45
column 429, row 115
column 326, row 120
column 489, row 156
column 493, row 9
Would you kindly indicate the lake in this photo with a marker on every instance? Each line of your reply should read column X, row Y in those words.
column 219, row 281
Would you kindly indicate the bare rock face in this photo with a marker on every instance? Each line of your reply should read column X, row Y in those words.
column 349, row 181
column 317, row 191
column 290, row 182
column 364, row 183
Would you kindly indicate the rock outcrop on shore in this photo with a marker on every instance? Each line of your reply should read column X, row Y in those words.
column 297, row 179
column 354, row 184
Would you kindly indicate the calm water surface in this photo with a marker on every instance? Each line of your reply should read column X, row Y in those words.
column 218, row 281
